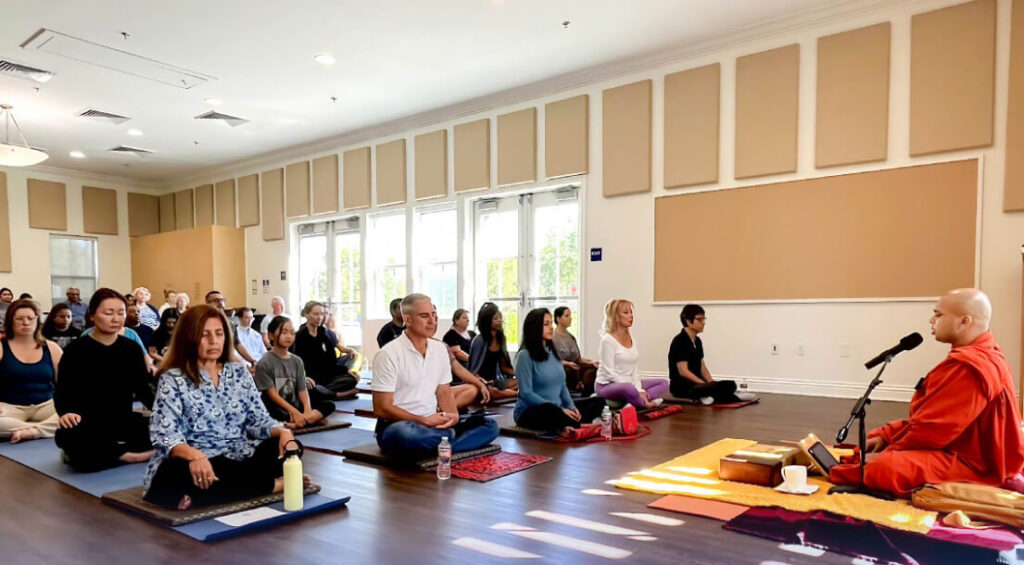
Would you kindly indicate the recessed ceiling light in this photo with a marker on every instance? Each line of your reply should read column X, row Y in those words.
column 135, row 132
column 77, row 155
column 214, row 101
column 324, row 58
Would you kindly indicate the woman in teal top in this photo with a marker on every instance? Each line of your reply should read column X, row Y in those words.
column 544, row 403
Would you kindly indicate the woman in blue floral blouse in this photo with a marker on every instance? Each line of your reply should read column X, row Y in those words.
column 214, row 441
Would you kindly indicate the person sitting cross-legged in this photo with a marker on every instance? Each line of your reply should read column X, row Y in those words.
column 617, row 376
column 28, row 371
column 281, row 379
column 488, row 353
column 412, row 399
column 689, row 376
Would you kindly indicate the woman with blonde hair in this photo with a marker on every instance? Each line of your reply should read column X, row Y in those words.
column 148, row 314
column 617, row 376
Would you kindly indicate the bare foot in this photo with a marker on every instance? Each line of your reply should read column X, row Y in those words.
column 566, row 432
column 185, row 502
column 24, row 435
column 137, row 457
column 279, row 483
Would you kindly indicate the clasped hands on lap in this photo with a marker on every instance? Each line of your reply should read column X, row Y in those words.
column 439, row 420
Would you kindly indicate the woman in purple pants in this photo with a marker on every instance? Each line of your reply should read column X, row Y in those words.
column 617, row 375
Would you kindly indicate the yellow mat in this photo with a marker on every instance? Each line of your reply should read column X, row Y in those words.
column 696, row 474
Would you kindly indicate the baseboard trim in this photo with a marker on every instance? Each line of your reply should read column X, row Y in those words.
column 896, row 393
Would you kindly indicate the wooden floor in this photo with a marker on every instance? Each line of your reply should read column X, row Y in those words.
column 409, row 517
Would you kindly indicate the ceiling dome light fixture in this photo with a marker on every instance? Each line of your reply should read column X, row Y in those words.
column 324, row 58
column 214, row 101
column 17, row 155
column 76, row 155
column 134, row 132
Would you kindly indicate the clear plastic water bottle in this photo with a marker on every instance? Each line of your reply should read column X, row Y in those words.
column 444, row 459
column 606, row 424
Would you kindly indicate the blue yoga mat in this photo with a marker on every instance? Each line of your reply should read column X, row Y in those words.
column 44, row 456
column 351, row 405
column 214, row 530
column 337, row 440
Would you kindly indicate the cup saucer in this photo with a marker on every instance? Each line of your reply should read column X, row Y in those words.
column 807, row 489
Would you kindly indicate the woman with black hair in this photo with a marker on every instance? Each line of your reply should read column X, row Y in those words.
column 162, row 335
column 57, row 327
column 488, row 355
column 544, row 403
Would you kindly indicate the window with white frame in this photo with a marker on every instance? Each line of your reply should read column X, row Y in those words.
column 385, row 262
column 436, row 257
column 329, row 271
column 73, row 263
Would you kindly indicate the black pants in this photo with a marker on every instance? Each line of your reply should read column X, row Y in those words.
column 582, row 379
column 316, row 402
column 724, row 392
column 238, row 480
column 91, row 447
column 551, row 418
column 340, row 381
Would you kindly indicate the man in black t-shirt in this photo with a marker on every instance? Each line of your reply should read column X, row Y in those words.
column 395, row 327
column 688, row 374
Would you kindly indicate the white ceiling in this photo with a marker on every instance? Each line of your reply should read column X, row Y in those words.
column 395, row 58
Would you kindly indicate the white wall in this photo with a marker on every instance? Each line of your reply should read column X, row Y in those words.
column 739, row 336
column 30, row 247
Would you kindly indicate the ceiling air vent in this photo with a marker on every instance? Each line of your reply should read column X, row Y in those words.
column 101, row 115
column 129, row 149
column 229, row 120
column 24, row 72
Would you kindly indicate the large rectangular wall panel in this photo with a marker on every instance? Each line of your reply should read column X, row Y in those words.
column 325, row 184
column 5, row 227
column 1013, row 191
column 391, row 185
column 272, row 184
column 296, row 186
column 204, row 205
column 143, row 214
column 224, row 192
column 853, row 97
column 249, row 201
column 167, row 222
column 99, row 210
column 952, row 77
column 691, row 126
column 431, row 162
column 567, row 137
column 811, row 239
column 473, row 155
column 626, row 138
column 184, row 209
column 517, row 147
column 356, row 175
column 767, row 105
column 47, row 205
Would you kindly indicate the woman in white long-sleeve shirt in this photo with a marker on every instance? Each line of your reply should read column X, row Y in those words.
column 617, row 375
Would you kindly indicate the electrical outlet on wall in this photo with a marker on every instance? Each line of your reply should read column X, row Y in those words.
column 775, row 349
column 844, row 349
column 800, row 349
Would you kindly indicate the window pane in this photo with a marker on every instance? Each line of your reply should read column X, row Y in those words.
column 385, row 244
column 437, row 252
column 312, row 268
column 72, row 263
column 497, row 249
column 440, row 282
column 556, row 250
column 347, row 267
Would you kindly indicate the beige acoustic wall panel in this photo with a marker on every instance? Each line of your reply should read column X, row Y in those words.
column 47, row 205
column 224, row 193
column 1013, row 191
column 517, row 147
column 184, row 217
column 204, row 205
column 853, row 97
column 272, row 201
column 952, row 77
column 356, row 178
column 167, row 222
column 567, row 137
column 325, row 184
column 691, row 126
column 5, row 227
column 143, row 214
column 391, row 186
column 99, row 210
column 249, row 201
column 473, row 155
column 767, row 104
column 431, row 162
column 296, row 187
column 812, row 239
column 626, row 138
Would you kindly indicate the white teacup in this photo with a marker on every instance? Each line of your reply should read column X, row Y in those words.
column 794, row 477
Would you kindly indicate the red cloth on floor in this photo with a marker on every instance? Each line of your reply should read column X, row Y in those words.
column 964, row 426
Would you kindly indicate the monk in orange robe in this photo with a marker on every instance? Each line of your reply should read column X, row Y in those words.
column 964, row 423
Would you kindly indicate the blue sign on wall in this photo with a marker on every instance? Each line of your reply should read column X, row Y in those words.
column 595, row 253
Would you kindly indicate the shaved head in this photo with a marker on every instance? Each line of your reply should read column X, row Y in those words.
column 961, row 316
column 971, row 302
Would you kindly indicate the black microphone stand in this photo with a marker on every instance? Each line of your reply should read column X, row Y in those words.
column 859, row 413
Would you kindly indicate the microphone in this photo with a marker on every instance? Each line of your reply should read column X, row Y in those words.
column 906, row 344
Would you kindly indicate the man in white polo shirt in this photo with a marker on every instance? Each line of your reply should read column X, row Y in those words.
column 412, row 398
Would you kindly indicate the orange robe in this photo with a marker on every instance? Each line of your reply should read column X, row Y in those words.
column 964, row 426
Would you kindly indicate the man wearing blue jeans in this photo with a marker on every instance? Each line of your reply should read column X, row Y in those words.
column 412, row 398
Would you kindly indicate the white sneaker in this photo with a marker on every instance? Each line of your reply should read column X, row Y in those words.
column 657, row 401
column 745, row 396
column 707, row 400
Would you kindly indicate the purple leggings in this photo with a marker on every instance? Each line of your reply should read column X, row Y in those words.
column 626, row 392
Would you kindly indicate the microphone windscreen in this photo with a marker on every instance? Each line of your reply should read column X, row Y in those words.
column 911, row 341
